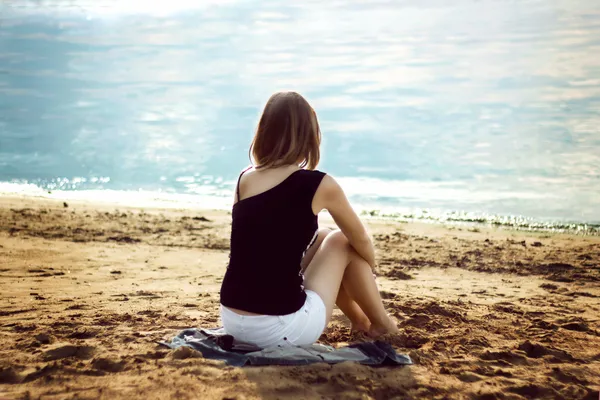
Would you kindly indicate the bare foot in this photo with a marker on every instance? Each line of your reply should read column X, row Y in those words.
column 361, row 326
column 377, row 330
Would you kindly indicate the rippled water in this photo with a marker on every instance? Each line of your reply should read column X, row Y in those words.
column 487, row 107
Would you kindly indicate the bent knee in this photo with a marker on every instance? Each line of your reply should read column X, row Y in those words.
column 323, row 232
column 337, row 239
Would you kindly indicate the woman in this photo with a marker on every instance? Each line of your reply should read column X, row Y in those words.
column 285, row 276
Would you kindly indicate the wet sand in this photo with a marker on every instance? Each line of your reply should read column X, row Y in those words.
column 86, row 290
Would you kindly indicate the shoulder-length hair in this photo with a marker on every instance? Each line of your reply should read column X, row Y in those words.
column 288, row 133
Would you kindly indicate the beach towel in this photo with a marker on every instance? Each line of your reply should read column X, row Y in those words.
column 217, row 345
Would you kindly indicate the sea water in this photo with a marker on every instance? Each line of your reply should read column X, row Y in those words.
column 457, row 110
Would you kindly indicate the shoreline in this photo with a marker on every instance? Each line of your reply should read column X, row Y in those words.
column 484, row 313
column 173, row 201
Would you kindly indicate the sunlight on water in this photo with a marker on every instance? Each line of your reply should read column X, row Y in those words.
column 485, row 107
column 104, row 8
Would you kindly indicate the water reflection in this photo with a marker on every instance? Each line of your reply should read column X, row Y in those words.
column 498, row 100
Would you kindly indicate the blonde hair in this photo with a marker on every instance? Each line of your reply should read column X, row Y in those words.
column 288, row 133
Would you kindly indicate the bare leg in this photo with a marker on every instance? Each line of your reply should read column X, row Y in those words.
column 335, row 260
column 361, row 287
column 360, row 322
column 358, row 319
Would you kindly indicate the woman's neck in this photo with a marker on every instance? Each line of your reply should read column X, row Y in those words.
column 278, row 167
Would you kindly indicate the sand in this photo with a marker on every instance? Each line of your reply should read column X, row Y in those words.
column 86, row 290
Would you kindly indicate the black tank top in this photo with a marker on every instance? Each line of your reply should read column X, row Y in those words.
column 269, row 234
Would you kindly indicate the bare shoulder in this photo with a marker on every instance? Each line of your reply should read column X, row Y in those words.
column 329, row 187
column 243, row 181
column 245, row 174
column 248, row 172
column 328, row 194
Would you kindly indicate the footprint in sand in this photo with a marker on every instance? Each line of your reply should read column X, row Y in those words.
column 9, row 375
column 84, row 333
column 69, row 350
column 576, row 326
column 544, row 325
column 108, row 365
column 45, row 371
column 508, row 357
column 44, row 338
column 566, row 377
column 535, row 391
column 77, row 307
column 536, row 350
column 469, row 377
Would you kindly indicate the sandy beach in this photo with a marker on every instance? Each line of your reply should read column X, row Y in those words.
column 86, row 290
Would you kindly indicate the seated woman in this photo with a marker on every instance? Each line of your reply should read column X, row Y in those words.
column 285, row 275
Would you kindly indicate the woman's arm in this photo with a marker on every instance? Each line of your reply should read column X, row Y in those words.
column 330, row 196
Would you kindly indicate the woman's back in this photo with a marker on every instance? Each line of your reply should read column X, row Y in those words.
column 273, row 224
column 263, row 299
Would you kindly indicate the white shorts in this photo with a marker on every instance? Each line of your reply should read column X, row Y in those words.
column 304, row 327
